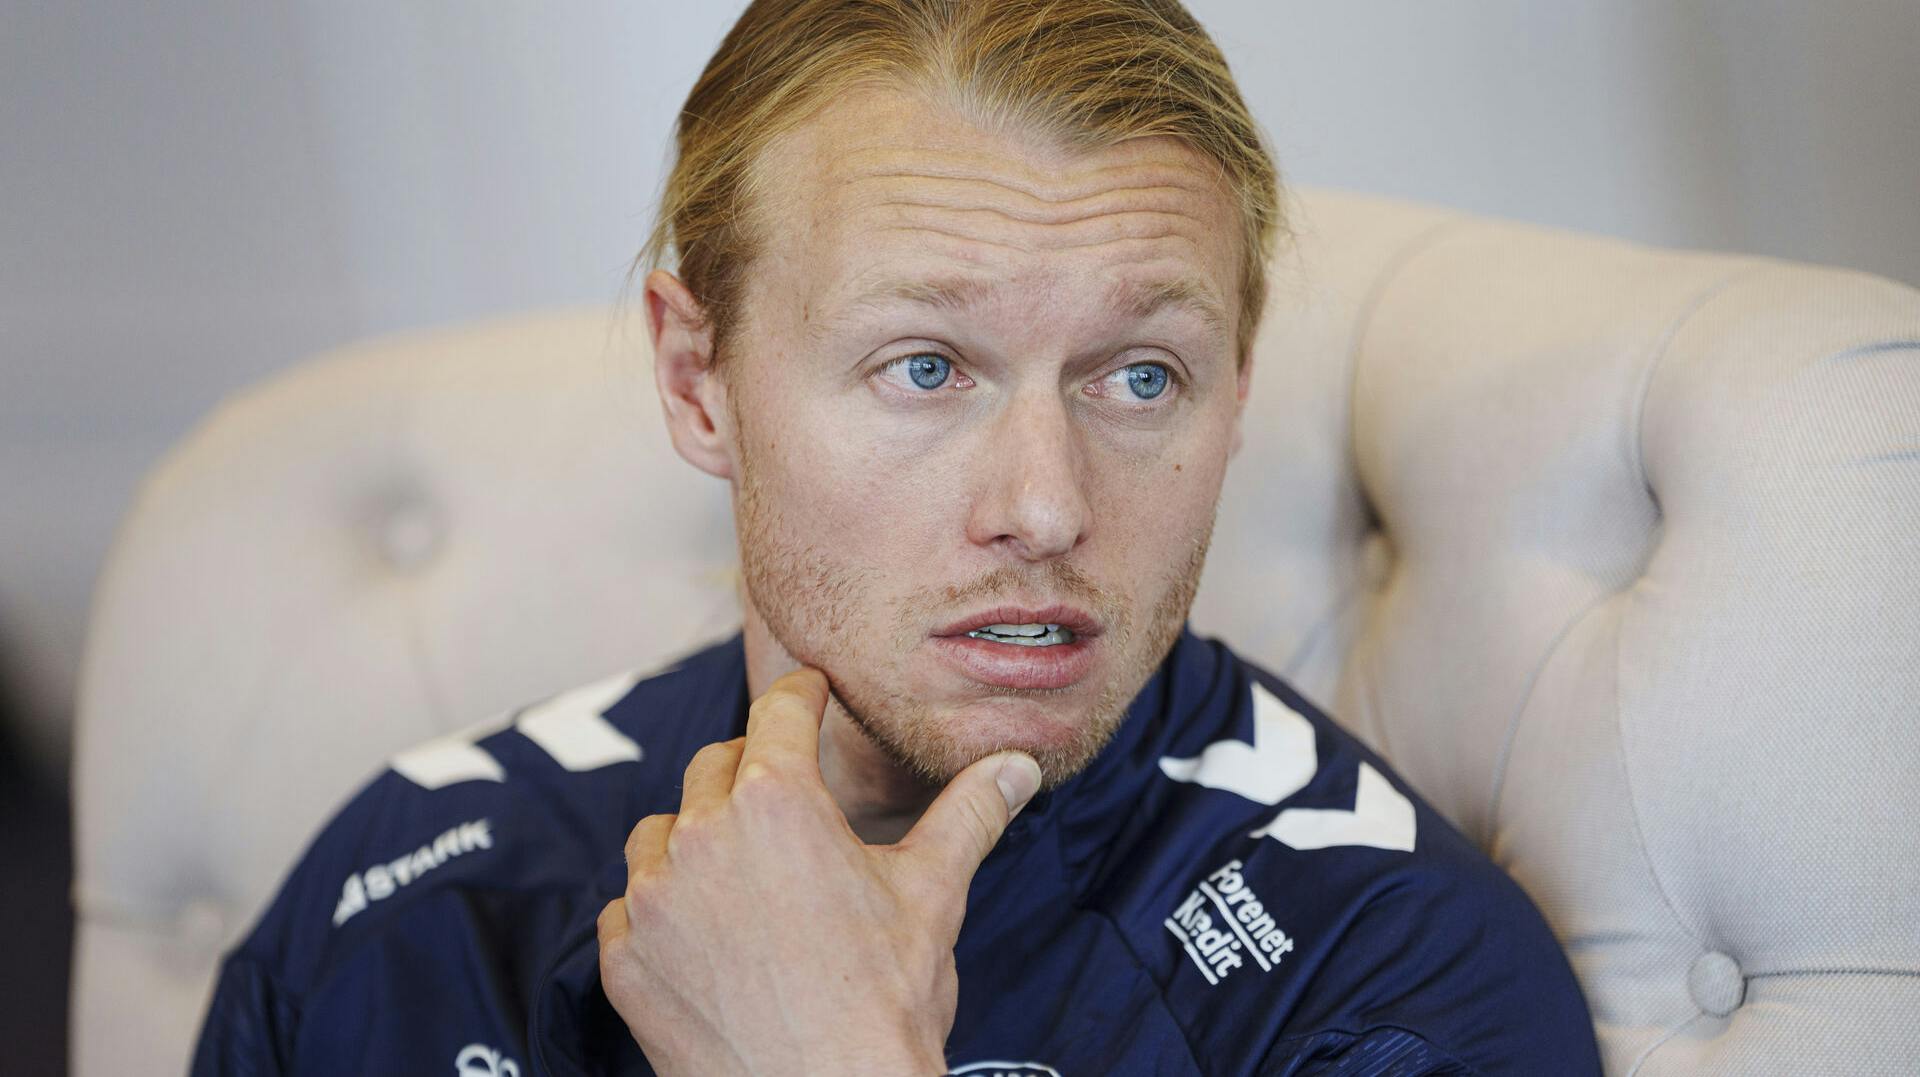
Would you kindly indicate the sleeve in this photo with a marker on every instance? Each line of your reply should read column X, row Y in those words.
column 250, row 1025
column 1448, row 971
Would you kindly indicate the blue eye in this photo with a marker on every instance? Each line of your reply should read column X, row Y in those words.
column 1147, row 380
column 928, row 371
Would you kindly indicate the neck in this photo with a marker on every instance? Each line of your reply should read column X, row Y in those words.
column 881, row 799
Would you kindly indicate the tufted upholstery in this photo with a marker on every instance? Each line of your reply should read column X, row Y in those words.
column 1614, row 551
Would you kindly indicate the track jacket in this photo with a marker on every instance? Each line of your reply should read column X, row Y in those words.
column 1233, row 886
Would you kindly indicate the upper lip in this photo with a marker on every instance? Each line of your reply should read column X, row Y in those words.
column 1077, row 621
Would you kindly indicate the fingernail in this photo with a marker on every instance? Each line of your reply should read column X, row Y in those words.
column 1018, row 778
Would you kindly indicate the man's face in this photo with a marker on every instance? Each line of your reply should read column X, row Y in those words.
column 981, row 380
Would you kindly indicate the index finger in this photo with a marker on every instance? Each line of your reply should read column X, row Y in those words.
column 783, row 726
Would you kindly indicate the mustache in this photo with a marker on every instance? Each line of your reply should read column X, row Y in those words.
column 1046, row 583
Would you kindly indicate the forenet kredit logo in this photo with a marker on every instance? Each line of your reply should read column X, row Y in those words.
column 1223, row 923
column 1005, row 1069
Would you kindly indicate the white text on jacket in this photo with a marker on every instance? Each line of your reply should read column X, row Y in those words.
column 1244, row 927
column 381, row 880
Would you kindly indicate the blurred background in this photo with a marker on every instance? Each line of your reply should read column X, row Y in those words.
column 194, row 196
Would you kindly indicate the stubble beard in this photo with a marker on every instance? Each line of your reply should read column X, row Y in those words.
column 817, row 606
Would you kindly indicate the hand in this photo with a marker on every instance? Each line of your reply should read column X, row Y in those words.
column 759, row 935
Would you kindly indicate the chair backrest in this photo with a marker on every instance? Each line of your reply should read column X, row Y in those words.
column 1614, row 551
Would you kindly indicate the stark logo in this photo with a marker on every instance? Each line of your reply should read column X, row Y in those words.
column 1244, row 928
column 479, row 1060
column 380, row 881
column 1005, row 1069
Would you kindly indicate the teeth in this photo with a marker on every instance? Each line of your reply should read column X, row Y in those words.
column 1025, row 635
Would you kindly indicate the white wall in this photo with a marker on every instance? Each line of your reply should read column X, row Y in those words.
column 195, row 195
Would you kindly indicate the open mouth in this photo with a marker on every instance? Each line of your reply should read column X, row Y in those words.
column 1025, row 635
column 1022, row 646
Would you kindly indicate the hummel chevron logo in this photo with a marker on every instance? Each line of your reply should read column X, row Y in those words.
column 1381, row 817
column 1279, row 763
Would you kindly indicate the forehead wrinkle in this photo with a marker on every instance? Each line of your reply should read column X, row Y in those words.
column 997, row 215
column 1108, row 243
column 1158, row 199
column 1157, row 190
column 1072, row 181
column 1161, row 188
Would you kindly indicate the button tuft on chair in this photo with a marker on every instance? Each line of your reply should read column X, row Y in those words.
column 411, row 536
column 1716, row 983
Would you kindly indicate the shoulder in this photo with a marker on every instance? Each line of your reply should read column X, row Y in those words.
column 1311, row 893
column 523, row 809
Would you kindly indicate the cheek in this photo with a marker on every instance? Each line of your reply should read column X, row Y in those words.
column 855, row 490
column 1162, row 509
column 1154, row 509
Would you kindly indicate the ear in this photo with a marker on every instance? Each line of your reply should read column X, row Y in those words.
column 1244, row 387
column 691, row 391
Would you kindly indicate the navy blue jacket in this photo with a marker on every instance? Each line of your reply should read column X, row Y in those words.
column 1233, row 886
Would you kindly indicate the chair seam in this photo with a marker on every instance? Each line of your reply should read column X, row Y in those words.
column 1833, row 971
column 1662, row 1042
column 1422, row 241
column 1633, row 805
column 1501, row 762
column 1659, row 351
column 1661, row 348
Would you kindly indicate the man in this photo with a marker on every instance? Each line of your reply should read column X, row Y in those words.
column 964, row 303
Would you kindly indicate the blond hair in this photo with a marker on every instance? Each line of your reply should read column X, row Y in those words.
column 1089, row 73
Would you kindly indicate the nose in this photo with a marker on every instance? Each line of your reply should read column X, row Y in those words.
column 1033, row 501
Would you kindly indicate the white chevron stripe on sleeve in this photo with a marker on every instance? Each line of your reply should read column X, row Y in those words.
column 1381, row 817
column 1279, row 763
column 570, row 726
column 444, row 761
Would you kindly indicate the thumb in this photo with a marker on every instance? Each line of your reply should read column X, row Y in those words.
column 965, row 821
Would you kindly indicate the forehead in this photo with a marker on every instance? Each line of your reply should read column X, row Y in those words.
column 887, row 196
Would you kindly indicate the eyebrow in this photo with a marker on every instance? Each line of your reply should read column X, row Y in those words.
column 1144, row 300
column 947, row 293
column 1137, row 299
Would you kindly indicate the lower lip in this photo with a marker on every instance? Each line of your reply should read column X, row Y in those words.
column 1014, row 665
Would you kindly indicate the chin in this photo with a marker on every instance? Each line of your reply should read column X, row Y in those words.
column 1061, row 734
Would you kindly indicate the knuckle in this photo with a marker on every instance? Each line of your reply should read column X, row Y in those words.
column 763, row 788
column 767, row 707
column 690, row 839
column 645, row 836
column 713, row 753
column 645, row 899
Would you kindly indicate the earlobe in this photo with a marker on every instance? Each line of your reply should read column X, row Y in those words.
column 691, row 392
